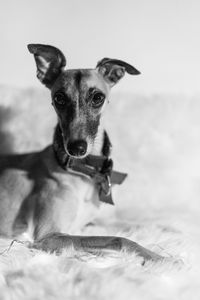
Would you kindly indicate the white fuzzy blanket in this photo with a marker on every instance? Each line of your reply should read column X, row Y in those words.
column 157, row 141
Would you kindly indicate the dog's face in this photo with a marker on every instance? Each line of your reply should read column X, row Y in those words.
column 78, row 96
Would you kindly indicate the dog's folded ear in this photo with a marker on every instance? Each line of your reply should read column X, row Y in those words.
column 114, row 69
column 49, row 60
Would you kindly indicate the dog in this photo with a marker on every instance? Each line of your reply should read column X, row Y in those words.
column 44, row 195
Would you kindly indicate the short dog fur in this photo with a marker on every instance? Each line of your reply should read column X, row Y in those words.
column 41, row 200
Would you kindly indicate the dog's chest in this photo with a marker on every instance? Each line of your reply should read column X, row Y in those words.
column 79, row 202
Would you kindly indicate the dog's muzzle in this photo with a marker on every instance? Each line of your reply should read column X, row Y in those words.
column 77, row 148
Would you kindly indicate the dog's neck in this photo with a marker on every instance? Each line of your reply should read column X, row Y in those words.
column 102, row 146
column 97, row 167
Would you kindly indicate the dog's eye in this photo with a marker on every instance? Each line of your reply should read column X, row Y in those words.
column 98, row 99
column 60, row 99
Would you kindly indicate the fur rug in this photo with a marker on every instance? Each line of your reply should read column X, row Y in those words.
column 157, row 141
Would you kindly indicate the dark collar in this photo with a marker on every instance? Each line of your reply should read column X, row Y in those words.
column 97, row 167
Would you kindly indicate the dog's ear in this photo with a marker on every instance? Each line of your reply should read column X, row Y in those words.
column 49, row 60
column 113, row 70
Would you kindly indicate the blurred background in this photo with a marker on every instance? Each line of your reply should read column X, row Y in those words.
column 161, row 38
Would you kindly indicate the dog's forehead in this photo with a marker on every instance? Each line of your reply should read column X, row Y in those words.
column 82, row 80
column 95, row 80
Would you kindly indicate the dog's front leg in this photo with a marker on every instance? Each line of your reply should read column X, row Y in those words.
column 96, row 245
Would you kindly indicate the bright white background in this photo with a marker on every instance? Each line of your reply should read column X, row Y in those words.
column 160, row 37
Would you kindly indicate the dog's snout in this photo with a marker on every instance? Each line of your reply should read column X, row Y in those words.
column 77, row 148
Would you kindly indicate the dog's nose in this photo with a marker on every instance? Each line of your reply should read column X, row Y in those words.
column 77, row 148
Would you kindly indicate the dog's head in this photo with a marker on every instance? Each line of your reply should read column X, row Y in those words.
column 78, row 96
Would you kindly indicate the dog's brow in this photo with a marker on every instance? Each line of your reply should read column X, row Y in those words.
column 91, row 89
column 77, row 79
